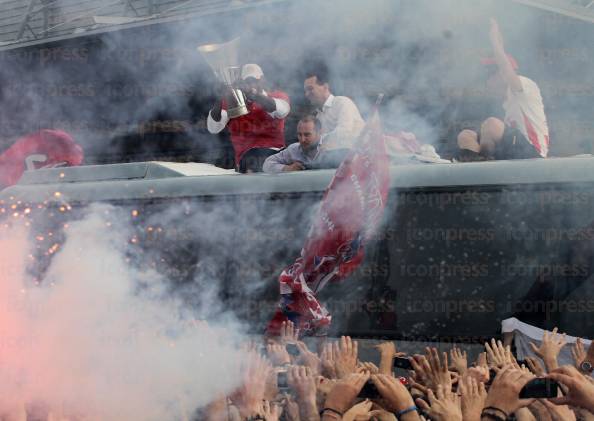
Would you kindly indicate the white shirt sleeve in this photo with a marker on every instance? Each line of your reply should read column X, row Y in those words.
column 347, row 128
column 282, row 109
column 215, row 127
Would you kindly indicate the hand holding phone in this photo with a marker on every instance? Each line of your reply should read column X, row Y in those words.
column 292, row 349
column 540, row 388
column 402, row 362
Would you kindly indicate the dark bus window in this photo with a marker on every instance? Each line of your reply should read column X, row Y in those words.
column 447, row 265
column 450, row 265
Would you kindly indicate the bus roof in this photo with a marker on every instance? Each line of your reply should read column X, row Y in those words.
column 154, row 180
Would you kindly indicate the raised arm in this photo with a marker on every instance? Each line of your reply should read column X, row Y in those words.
column 217, row 117
column 508, row 73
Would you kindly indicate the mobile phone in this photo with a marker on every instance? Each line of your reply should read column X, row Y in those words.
column 369, row 391
column 292, row 349
column 402, row 362
column 281, row 380
column 540, row 388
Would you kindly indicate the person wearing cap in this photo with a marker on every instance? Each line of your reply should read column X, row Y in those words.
column 260, row 133
column 524, row 132
column 340, row 117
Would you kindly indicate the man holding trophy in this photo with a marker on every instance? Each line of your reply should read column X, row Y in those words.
column 255, row 117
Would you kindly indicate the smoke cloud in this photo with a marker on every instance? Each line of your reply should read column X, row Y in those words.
column 99, row 338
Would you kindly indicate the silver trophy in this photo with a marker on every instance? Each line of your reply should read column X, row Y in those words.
column 223, row 60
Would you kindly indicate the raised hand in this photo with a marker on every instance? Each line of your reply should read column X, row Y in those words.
column 345, row 353
column 459, row 360
column 369, row 366
column 303, row 382
column 559, row 412
column 495, row 36
column 308, row 358
column 578, row 353
column 504, row 393
column 270, row 412
column 430, row 370
column 443, row 406
column 473, row 395
column 250, row 394
column 535, row 366
column 499, row 356
column 396, row 396
column 481, row 360
column 580, row 391
column 387, row 348
column 344, row 392
column 327, row 361
column 549, row 348
column 288, row 333
column 278, row 354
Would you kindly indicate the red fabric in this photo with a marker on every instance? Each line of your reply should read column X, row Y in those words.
column 532, row 135
column 257, row 129
column 42, row 149
column 351, row 210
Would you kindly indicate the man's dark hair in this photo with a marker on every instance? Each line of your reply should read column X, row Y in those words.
column 310, row 118
column 320, row 71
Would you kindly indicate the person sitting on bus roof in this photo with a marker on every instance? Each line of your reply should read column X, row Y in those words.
column 340, row 117
column 260, row 133
column 297, row 156
column 524, row 133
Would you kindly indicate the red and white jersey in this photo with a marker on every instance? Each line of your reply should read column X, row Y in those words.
column 524, row 110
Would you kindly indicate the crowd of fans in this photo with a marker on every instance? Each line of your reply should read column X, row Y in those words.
column 334, row 384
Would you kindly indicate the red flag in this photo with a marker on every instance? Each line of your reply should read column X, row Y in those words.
column 351, row 210
column 42, row 149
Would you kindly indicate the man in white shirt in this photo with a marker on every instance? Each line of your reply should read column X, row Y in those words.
column 524, row 133
column 340, row 117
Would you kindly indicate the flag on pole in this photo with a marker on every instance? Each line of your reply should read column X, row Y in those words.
column 351, row 211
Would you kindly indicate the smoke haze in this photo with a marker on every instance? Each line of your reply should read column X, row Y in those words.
column 99, row 338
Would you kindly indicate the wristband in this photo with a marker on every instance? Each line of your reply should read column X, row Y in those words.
column 406, row 411
column 498, row 414
column 492, row 417
column 334, row 411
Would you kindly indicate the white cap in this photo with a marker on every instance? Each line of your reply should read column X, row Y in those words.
column 251, row 70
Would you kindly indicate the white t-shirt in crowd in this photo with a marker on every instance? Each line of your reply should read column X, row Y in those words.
column 524, row 110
